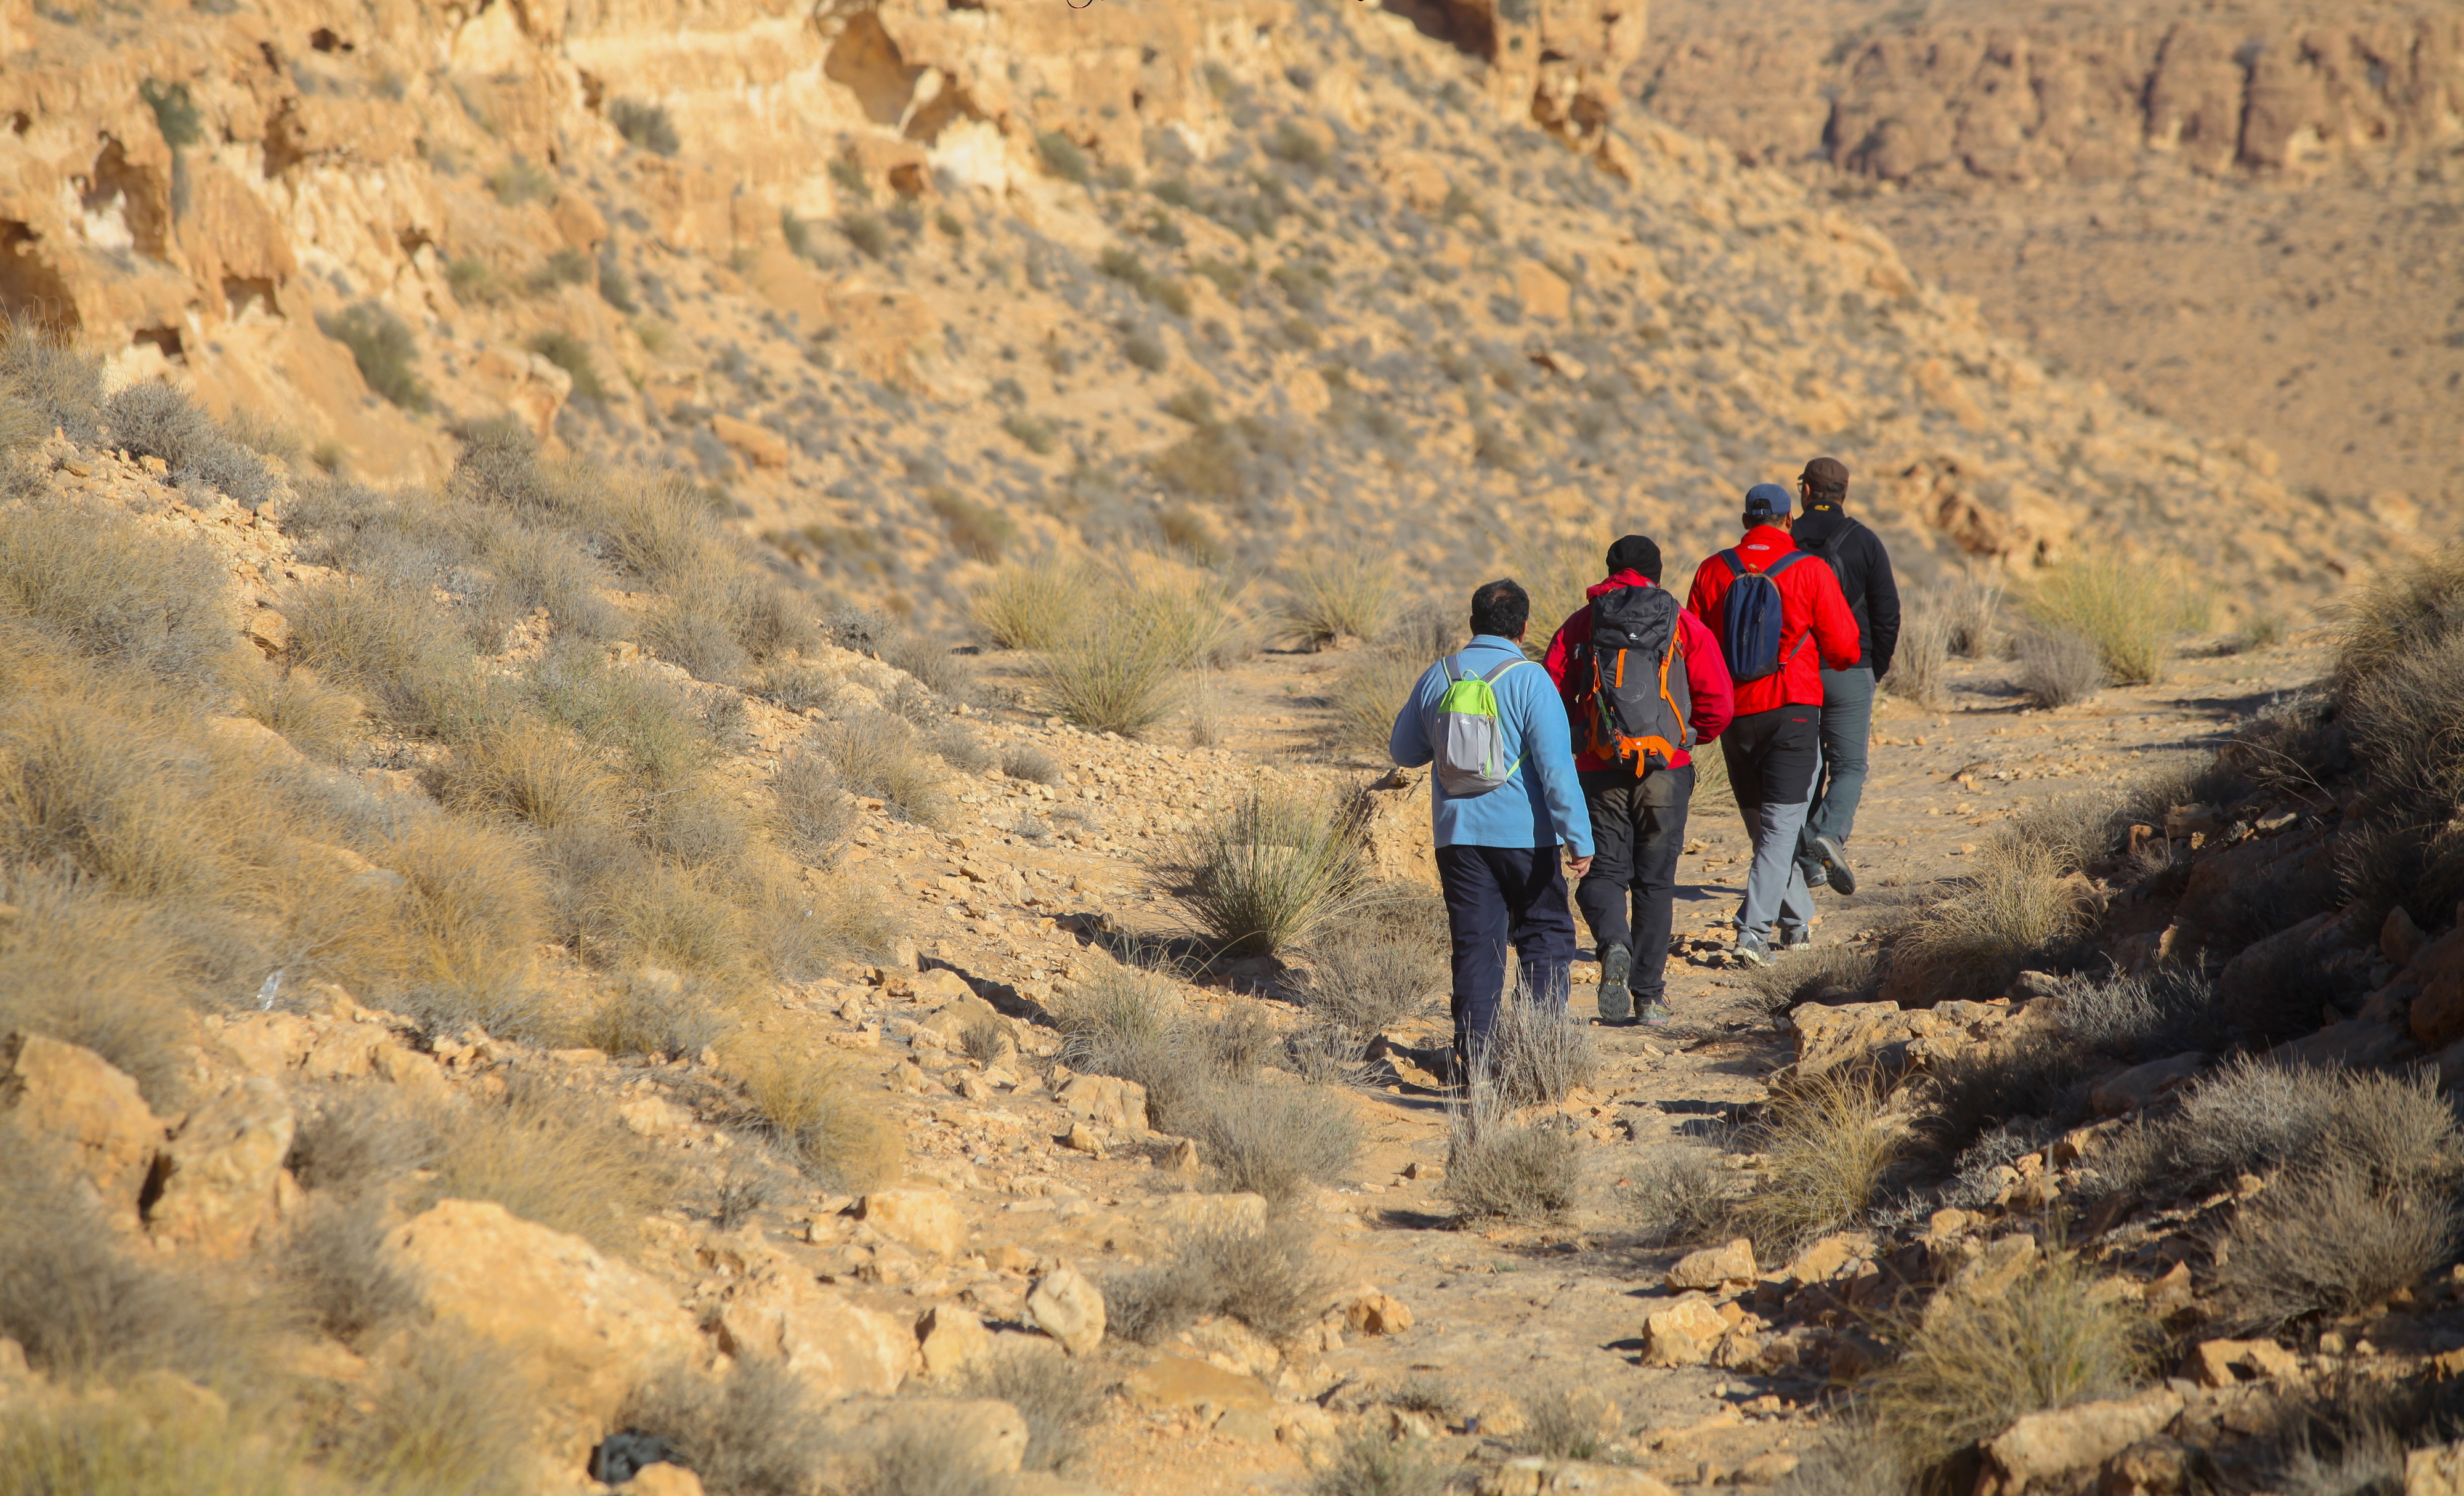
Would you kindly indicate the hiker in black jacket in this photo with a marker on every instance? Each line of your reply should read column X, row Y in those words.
column 1863, row 567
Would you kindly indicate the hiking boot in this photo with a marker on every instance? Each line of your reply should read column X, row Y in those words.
column 1654, row 1014
column 1799, row 939
column 1752, row 949
column 1617, row 1004
column 1834, row 857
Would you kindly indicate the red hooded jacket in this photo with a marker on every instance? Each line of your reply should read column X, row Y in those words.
column 1810, row 602
column 1707, row 674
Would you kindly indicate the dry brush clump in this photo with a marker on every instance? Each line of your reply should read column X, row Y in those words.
column 2058, row 668
column 821, row 1116
column 1369, row 1463
column 1270, row 1278
column 2125, row 608
column 752, row 1431
column 1380, row 966
column 1060, row 1398
column 1827, row 1145
column 1341, row 595
column 1266, row 874
column 2024, row 899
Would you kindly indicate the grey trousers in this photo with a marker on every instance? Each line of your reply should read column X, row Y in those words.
column 1774, row 758
column 1847, row 728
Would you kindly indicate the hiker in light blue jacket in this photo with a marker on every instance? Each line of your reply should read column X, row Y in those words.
column 1504, row 798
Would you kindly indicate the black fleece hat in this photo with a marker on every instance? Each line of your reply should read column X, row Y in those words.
column 1826, row 484
column 1635, row 553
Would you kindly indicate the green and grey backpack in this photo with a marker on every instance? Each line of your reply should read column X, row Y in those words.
column 1469, row 739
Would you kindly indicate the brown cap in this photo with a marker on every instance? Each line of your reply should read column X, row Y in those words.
column 1826, row 482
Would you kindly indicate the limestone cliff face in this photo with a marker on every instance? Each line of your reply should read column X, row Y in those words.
column 2037, row 92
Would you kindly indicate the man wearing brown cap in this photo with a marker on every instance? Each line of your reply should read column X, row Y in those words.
column 1863, row 567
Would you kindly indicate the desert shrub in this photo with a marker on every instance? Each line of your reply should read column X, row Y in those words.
column 77, row 794
column 877, row 755
column 2058, row 667
column 1272, row 1140
column 648, row 721
column 1563, row 1420
column 1377, row 969
column 1984, row 1354
column 526, row 769
column 1107, row 676
column 1826, row 974
column 126, row 1008
column 1920, row 667
column 2330, row 1236
column 391, row 644
column 1264, row 875
column 535, row 569
column 384, row 348
column 43, row 368
column 1028, row 763
column 1498, row 1168
column 669, row 915
column 472, row 909
column 815, row 815
column 800, row 930
column 1368, row 694
column 1972, row 942
column 750, row 1433
column 2405, row 722
column 958, row 746
column 1679, row 1196
column 2253, row 1116
column 654, row 1013
column 318, row 720
column 114, row 590
column 1973, row 609
column 1340, row 595
column 1059, row 1400
column 450, row 1415
column 128, row 1446
column 359, row 1140
column 2125, row 608
column 1065, row 157
column 1852, row 1461
column 1196, row 620
column 1271, row 1279
column 1369, row 1463
column 554, row 1156
column 1826, row 1143
column 644, row 126
column 977, row 530
column 816, row 1113
column 1032, row 604
column 158, row 421
column 82, row 1304
column 2038, row 1079
column 1538, row 1050
column 340, row 1273
column 2401, row 613
column 1126, row 1019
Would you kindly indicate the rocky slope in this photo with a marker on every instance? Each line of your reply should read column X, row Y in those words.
column 916, row 286
column 2241, row 214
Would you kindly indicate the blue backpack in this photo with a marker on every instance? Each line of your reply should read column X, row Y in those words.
column 1755, row 620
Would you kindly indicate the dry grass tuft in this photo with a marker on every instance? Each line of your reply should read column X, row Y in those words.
column 1826, row 974
column 1111, row 676
column 1920, row 667
column 1369, row 1463
column 1986, row 1353
column 1826, row 1144
column 1343, row 596
column 114, row 590
column 821, row 1116
column 2058, row 668
column 450, row 1417
column 1381, row 966
column 2399, row 614
column 391, row 644
column 553, row 1156
column 1565, row 1422
column 751, row 1433
column 656, row 1012
column 2332, row 1238
column 1499, row 1169
column 320, row 722
column 2253, row 1118
column 529, row 770
column 1969, row 944
column 1539, row 1051
column 914, row 1463
column 1028, row 763
column 472, row 908
column 125, row 1448
column 1034, row 604
column 1680, row 1197
column 1365, row 696
column 340, row 1273
column 1265, row 875
column 2125, row 608
column 1273, row 1140
column 878, row 754
column 42, row 368
column 126, row 1009
column 152, row 420
column 1059, row 1398
column 1271, row 1279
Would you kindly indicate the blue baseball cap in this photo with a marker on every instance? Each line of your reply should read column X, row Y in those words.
column 1767, row 498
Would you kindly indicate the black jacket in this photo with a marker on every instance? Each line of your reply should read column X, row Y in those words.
column 1856, row 557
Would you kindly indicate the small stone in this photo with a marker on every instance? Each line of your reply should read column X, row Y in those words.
column 1064, row 1306
column 951, row 1339
column 1714, row 1266
column 1424, row 1168
column 917, row 1216
column 1377, row 1315
column 1083, row 1139
column 1683, row 1333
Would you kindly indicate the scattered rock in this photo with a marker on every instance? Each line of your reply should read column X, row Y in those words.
column 951, row 1339
column 1828, row 1255
column 1181, row 1159
column 2041, row 1445
column 78, row 1100
column 1070, row 1308
column 219, row 1181
column 925, row 1219
column 1104, row 1099
column 985, row 1435
column 1083, row 1139
column 2227, row 1363
column 1377, row 1315
column 2436, row 1471
column 2141, row 1085
column 1683, row 1334
column 1713, row 1267
column 2400, row 939
column 838, row 1348
column 664, row 1479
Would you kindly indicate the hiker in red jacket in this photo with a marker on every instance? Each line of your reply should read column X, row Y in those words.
column 1637, row 805
column 1781, row 619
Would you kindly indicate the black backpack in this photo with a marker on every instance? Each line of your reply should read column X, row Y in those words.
column 1638, row 691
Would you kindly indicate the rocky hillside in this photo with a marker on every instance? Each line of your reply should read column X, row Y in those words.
column 915, row 287
column 2241, row 215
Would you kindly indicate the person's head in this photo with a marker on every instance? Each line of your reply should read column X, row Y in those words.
column 1501, row 608
column 1823, row 486
column 1635, row 553
column 1767, row 503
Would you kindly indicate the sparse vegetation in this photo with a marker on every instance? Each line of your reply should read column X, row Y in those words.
column 1264, row 875
column 1270, row 1279
column 1970, row 943
column 876, row 754
column 1826, row 1144
column 554, row 1156
column 645, row 126
column 1033, row 605
column 384, row 348
column 2057, row 668
column 1339, row 596
column 1922, row 662
column 815, row 1112
column 1380, row 966
column 2124, row 607
column 1369, row 1463
column 749, row 1433
column 1059, row 1399
column 158, row 421
column 1499, row 1168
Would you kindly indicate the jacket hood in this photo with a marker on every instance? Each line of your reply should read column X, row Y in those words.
column 1615, row 579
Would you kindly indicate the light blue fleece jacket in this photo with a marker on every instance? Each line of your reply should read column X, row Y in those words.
column 1543, row 791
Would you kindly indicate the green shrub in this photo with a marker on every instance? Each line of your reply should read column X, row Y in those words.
column 644, row 126
column 1341, row 595
column 1033, row 605
column 2124, row 607
column 1065, row 157
column 573, row 356
column 518, row 182
column 384, row 348
column 1264, row 875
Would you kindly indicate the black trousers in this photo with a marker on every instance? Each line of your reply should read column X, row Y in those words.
column 1498, row 896
column 1637, row 831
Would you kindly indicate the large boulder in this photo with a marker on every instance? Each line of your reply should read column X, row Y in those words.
column 585, row 1328
column 1070, row 1308
column 73, row 1099
column 221, row 1179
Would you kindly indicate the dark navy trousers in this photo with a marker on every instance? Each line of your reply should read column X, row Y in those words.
column 1496, row 897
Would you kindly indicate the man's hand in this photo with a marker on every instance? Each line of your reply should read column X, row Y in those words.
column 1579, row 867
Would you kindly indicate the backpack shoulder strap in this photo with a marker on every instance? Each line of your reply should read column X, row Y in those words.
column 1735, row 565
column 1491, row 676
column 1783, row 563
